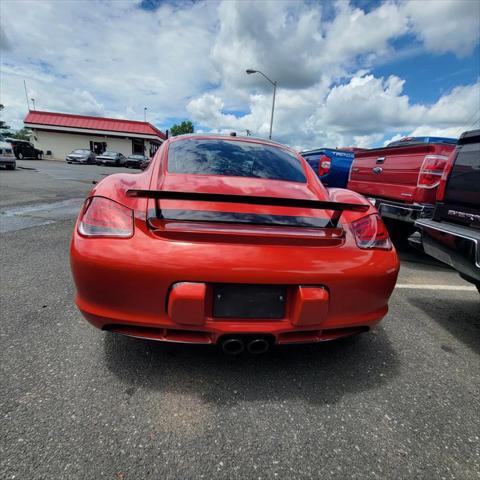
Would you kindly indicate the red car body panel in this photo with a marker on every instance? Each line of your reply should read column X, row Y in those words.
column 158, row 283
column 399, row 176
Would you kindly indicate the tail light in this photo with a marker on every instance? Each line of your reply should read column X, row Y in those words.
column 431, row 171
column 370, row 232
column 324, row 165
column 350, row 171
column 446, row 172
column 102, row 217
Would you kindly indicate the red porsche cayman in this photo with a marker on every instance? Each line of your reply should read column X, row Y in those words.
column 231, row 241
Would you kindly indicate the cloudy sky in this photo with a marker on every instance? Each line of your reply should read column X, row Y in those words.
column 349, row 73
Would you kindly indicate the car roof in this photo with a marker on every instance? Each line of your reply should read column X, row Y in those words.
column 220, row 136
column 471, row 136
column 10, row 139
column 407, row 141
column 321, row 150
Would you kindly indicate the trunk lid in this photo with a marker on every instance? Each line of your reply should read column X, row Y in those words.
column 243, row 213
column 242, row 222
column 239, row 186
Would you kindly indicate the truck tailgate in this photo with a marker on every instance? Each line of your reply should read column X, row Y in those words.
column 393, row 172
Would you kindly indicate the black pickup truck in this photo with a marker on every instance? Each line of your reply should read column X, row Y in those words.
column 453, row 234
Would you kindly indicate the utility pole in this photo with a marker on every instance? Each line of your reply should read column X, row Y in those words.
column 26, row 95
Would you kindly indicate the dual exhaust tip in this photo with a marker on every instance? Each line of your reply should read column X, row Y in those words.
column 236, row 345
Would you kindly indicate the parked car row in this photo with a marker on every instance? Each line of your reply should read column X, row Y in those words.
column 23, row 149
column 108, row 157
column 426, row 189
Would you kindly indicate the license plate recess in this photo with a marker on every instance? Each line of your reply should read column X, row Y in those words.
column 249, row 301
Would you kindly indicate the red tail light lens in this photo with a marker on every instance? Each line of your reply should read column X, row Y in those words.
column 324, row 165
column 444, row 177
column 102, row 217
column 431, row 171
column 370, row 232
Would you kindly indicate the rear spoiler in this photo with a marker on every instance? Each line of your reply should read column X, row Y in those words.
column 337, row 207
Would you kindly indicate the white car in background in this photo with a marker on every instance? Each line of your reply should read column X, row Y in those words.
column 7, row 157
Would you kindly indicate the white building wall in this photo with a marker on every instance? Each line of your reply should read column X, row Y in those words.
column 61, row 144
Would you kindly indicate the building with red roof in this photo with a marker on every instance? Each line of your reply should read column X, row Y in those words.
column 57, row 134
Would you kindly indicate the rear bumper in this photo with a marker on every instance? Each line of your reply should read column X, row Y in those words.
column 77, row 160
column 107, row 162
column 126, row 286
column 403, row 212
column 131, row 164
column 454, row 245
column 7, row 160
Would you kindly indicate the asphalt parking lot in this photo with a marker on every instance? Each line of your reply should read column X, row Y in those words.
column 401, row 402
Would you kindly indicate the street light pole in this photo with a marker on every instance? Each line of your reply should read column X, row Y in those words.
column 144, row 114
column 274, row 83
column 273, row 108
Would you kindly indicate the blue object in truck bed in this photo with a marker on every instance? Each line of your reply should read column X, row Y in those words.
column 340, row 162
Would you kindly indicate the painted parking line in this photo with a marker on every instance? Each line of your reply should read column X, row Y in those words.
column 461, row 288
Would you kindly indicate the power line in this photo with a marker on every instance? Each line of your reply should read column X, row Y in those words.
column 469, row 123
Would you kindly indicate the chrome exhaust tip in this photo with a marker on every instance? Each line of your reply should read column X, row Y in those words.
column 232, row 346
column 258, row 346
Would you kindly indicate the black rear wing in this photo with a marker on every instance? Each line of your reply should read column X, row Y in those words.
column 337, row 207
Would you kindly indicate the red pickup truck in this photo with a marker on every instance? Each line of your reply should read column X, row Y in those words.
column 401, row 179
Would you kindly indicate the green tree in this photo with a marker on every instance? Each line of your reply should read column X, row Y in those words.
column 22, row 134
column 181, row 128
column 4, row 128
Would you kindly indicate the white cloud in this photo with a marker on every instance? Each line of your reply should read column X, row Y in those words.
column 445, row 25
column 291, row 41
column 109, row 58
column 188, row 60
column 360, row 112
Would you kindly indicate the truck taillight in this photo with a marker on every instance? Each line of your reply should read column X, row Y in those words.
column 431, row 171
column 443, row 180
column 370, row 232
column 324, row 165
column 102, row 217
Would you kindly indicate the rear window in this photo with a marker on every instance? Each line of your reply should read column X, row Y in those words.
column 234, row 159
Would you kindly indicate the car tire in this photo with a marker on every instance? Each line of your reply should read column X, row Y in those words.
column 11, row 167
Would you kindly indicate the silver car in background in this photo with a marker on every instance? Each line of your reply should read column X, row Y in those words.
column 111, row 158
column 81, row 155
column 7, row 157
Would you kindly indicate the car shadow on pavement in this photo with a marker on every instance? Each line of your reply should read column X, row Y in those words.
column 321, row 373
column 408, row 254
column 459, row 316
